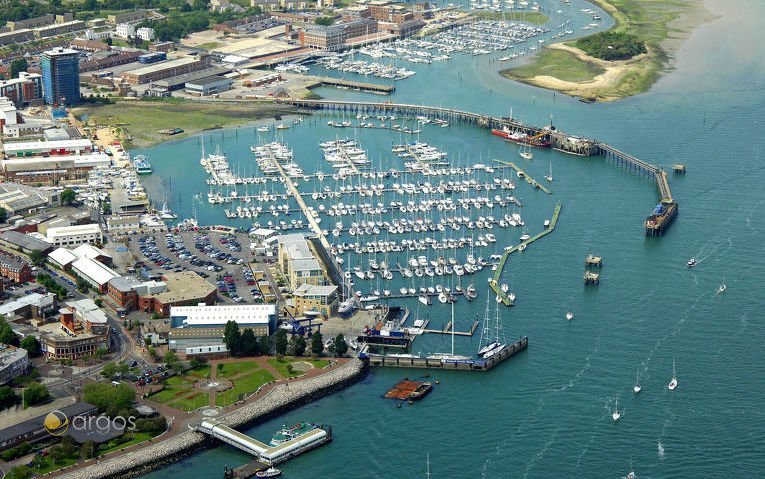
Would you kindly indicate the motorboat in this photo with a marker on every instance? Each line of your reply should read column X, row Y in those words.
column 270, row 472
column 691, row 262
column 616, row 415
column 569, row 315
column 636, row 388
column 673, row 383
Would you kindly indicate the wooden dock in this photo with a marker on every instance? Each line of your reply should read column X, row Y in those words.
column 525, row 176
column 355, row 85
column 245, row 471
column 494, row 283
column 448, row 330
column 450, row 365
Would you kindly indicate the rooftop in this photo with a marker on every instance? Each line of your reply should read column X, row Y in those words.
column 88, row 310
column 74, row 230
column 63, row 256
column 61, row 50
column 24, row 241
column 98, row 272
column 34, row 299
column 161, row 66
column 314, row 290
column 37, row 424
column 193, row 316
column 184, row 286
column 90, row 251
column 124, row 283
column 47, row 145
column 207, row 81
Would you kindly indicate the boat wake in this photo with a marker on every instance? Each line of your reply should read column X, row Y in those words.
column 675, row 330
column 539, row 455
column 584, row 369
column 660, row 449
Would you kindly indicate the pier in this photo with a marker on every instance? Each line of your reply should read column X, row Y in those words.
column 449, row 364
column 525, row 176
column 354, row 85
column 448, row 330
column 494, row 283
column 655, row 225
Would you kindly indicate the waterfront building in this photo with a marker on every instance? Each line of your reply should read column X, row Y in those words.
column 167, row 69
column 297, row 261
column 58, row 148
column 75, row 235
column 123, row 224
column 34, row 429
column 13, row 362
column 61, row 76
column 261, row 318
column 209, row 86
column 310, row 297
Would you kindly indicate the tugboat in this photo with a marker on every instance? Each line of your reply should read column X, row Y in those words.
column 691, row 262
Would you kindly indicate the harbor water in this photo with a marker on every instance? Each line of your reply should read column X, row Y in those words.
column 547, row 411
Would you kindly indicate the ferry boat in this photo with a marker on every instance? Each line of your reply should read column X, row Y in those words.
column 270, row 472
column 522, row 138
column 287, row 433
column 142, row 165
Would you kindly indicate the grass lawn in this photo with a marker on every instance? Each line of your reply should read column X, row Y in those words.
column 46, row 464
column 232, row 369
column 198, row 373
column 281, row 365
column 179, row 393
column 144, row 119
column 209, row 45
column 319, row 363
column 138, row 437
column 556, row 63
column 243, row 385
column 191, row 401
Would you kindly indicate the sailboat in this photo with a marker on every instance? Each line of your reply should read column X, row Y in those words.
column 449, row 356
column 569, row 315
column 548, row 176
column 636, row 388
column 490, row 345
column 722, row 288
column 525, row 152
column 616, row 415
column 673, row 384
column 166, row 213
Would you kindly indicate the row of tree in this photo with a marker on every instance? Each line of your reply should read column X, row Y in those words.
column 612, row 45
column 244, row 343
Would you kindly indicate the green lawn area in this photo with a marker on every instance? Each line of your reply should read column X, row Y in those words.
column 232, row 369
column 192, row 401
column 198, row 373
column 281, row 365
column 145, row 118
column 46, row 464
column 243, row 385
column 209, row 45
column 138, row 437
column 556, row 63
column 179, row 392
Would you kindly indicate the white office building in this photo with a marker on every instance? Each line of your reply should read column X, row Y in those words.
column 255, row 316
column 75, row 235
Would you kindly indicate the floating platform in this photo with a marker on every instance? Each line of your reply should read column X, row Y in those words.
column 522, row 174
column 408, row 390
column 593, row 261
column 678, row 169
column 591, row 278
column 448, row 330
column 448, row 364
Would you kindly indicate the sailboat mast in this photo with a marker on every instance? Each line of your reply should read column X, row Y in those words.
column 452, row 328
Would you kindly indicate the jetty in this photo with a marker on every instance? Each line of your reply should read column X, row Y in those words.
column 655, row 224
column 522, row 174
column 494, row 283
column 354, row 85
column 448, row 330
column 399, row 361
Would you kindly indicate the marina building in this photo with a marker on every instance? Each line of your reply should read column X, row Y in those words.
column 61, row 76
column 123, row 224
column 28, row 149
column 25, row 89
column 52, row 169
column 34, row 429
column 167, row 69
column 261, row 318
column 320, row 299
column 75, row 235
column 13, row 362
column 21, row 199
column 182, row 289
column 297, row 261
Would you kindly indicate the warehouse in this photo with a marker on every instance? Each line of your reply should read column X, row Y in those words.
column 209, row 86
column 261, row 318
column 94, row 273
column 167, row 69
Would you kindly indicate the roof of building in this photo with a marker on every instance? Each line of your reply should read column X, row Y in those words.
column 99, row 273
column 315, row 290
column 88, row 310
column 190, row 77
column 34, row 299
column 92, row 228
column 90, row 251
column 124, row 283
column 11, row 354
column 196, row 316
column 183, row 286
column 305, row 264
column 12, row 262
column 162, row 66
column 208, row 81
column 47, row 145
column 37, row 424
column 61, row 50
column 24, row 241
column 63, row 256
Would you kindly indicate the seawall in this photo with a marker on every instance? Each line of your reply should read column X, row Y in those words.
column 282, row 398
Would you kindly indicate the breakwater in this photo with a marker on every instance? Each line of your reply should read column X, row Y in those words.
column 282, row 398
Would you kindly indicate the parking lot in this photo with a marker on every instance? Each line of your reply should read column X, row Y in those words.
column 222, row 258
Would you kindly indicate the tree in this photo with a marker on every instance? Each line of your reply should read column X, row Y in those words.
column 3, row 215
column 106, row 208
column 326, row 21
column 108, row 398
column 89, row 450
column 31, row 344
column 341, row 347
column 56, row 454
column 147, row 341
column 280, row 342
column 37, row 257
column 108, row 41
column 7, row 335
column 68, row 196
column 101, row 352
column 109, row 370
column 17, row 66
column 171, row 360
column 232, row 338
column 264, row 345
column 35, row 393
column 7, row 397
column 317, row 344
column 249, row 344
column 99, row 302
column 298, row 345
column 82, row 285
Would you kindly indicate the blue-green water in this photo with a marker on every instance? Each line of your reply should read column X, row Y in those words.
column 547, row 412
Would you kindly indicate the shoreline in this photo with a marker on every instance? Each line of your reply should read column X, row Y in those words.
column 623, row 78
column 276, row 402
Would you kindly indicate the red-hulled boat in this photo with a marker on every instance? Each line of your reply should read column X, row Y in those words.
column 522, row 138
